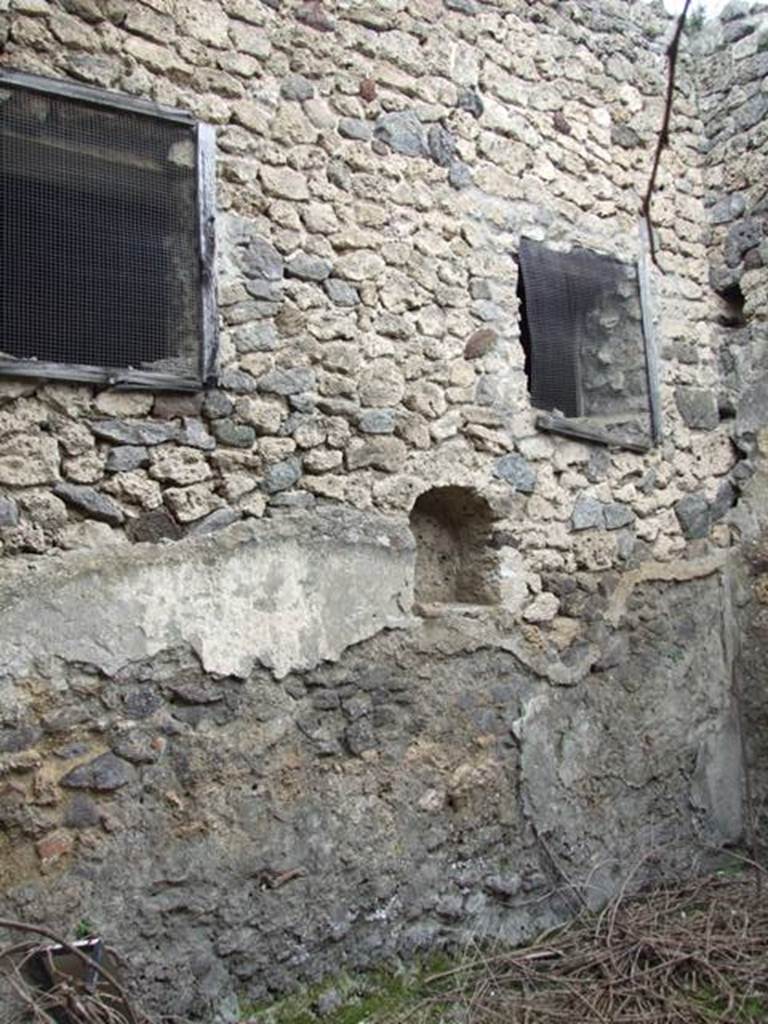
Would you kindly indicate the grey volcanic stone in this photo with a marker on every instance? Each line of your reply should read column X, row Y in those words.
column 195, row 435
column 239, row 381
column 341, row 292
column 698, row 407
column 217, row 520
column 281, row 475
column 617, row 515
column 9, row 513
column 694, row 515
column 287, row 382
column 217, row 405
column 744, row 235
column 624, row 136
column 402, row 132
column 517, row 471
column 459, row 175
column 297, row 87
column 442, row 145
column 471, row 101
column 307, row 268
column 355, row 128
column 90, row 503
column 81, row 812
column 134, row 432
column 153, row 527
column 588, row 514
column 235, row 435
column 728, row 208
column 377, row 421
column 127, row 457
column 725, row 499
column 464, row 6
column 105, row 773
column 255, row 337
column 261, row 259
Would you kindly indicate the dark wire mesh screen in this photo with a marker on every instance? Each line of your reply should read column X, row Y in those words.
column 583, row 328
column 98, row 236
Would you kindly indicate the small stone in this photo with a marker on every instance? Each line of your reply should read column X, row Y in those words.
column 463, row 6
column 617, row 515
column 134, row 432
column 215, row 521
column 624, row 136
column 29, row 459
column 480, row 343
column 517, row 471
column 123, row 403
column 471, row 101
column 152, row 527
column 341, row 292
column 235, row 435
column 287, row 382
column 90, row 503
column 191, row 503
column 698, row 407
column 543, row 608
column 54, row 846
column 355, row 128
column 81, row 812
column 402, row 132
column 127, row 457
column 179, row 465
column 377, row 421
column 195, row 435
column 307, row 268
column 385, row 453
column 367, row 90
column 459, row 175
column 89, row 534
column 442, row 145
column 261, row 259
column 694, row 516
column 561, row 123
column 382, row 385
column 728, row 208
column 171, row 407
column 9, row 513
column 281, row 475
column 239, row 381
column 297, row 87
column 255, row 337
column 104, row 773
column 724, row 500
column 284, row 183
column 217, row 404
column 361, row 265
column 313, row 16
column 588, row 514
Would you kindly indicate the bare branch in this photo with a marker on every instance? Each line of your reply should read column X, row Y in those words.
column 663, row 138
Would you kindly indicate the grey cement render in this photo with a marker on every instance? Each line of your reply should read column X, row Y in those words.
column 287, row 594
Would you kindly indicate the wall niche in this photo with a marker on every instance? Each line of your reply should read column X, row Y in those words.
column 455, row 560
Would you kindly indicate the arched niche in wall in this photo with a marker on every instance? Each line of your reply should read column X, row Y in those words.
column 455, row 560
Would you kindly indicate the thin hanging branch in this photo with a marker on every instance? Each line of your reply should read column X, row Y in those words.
column 663, row 138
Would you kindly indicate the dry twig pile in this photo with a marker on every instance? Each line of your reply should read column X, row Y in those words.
column 695, row 954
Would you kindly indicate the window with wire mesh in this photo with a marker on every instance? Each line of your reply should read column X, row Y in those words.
column 583, row 336
column 99, row 240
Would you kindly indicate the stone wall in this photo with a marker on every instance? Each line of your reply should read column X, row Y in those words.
column 734, row 104
column 237, row 830
column 377, row 168
column 225, row 731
